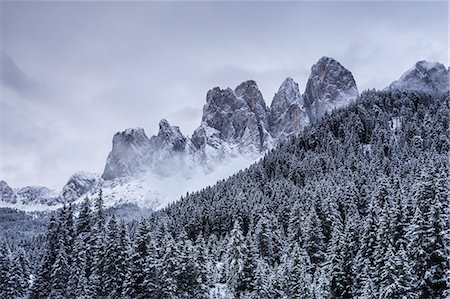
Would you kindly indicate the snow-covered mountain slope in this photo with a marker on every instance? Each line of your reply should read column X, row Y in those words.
column 236, row 129
column 7, row 194
column 330, row 86
column 77, row 185
column 432, row 77
column 39, row 198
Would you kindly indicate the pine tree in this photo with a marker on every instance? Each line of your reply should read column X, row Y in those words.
column 250, row 255
column 59, row 276
column 235, row 258
column 300, row 279
column 111, row 282
column 5, row 268
column 384, row 238
column 170, row 270
column 152, row 270
column 78, row 274
column 83, row 223
column 201, row 260
column 42, row 286
column 262, row 283
column 135, row 282
column 18, row 276
column 314, row 240
column 365, row 260
column 268, row 238
column 97, row 243
column 123, row 264
column 322, row 282
column 426, row 244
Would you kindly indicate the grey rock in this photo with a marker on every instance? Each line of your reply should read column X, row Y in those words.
column 170, row 151
column 129, row 154
column 7, row 193
column 32, row 195
column 77, row 185
column 424, row 76
column 287, row 115
column 233, row 120
column 133, row 153
column 330, row 86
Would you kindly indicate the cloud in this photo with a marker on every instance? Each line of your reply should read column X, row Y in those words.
column 15, row 78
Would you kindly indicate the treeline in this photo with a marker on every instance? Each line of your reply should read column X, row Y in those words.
column 355, row 207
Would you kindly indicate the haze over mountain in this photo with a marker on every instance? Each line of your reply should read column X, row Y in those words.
column 236, row 129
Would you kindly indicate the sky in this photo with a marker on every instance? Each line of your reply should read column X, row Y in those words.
column 75, row 73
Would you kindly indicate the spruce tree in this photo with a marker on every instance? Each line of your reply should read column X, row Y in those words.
column 300, row 279
column 110, row 279
column 59, row 276
column 235, row 258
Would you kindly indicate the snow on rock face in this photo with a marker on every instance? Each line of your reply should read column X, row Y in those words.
column 128, row 155
column 249, row 91
column 77, row 185
column 233, row 122
column 170, row 151
column 287, row 115
column 133, row 153
column 169, row 137
column 425, row 76
column 7, row 194
column 38, row 195
column 329, row 86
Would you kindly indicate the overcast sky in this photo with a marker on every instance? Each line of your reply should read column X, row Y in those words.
column 75, row 73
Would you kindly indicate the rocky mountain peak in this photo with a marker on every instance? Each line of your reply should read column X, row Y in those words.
column 128, row 154
column 38, row 195
column 425, row 76
column 128, row 137
column 7, row 194
column 168, row 138
column 250, row 93
column 288, row 93
column 287, row 115
column 233, row 118
column 168, row 132
column 78, row 184
column 329, row 86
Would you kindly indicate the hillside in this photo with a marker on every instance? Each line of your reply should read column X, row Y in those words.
column 355, row 207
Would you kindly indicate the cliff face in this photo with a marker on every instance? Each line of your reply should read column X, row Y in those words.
column 330, row 86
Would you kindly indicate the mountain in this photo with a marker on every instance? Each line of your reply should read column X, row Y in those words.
column 128, row 155
column 234, row 122
column 133, row 153
column 432, row 77
column 236, row 129
column 77, row 185
column 287, row 115
column 35, row 198
column 330, row 86
column 354, row 207
column 7, row 194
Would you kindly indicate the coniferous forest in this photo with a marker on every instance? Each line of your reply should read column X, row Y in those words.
column 355, row 207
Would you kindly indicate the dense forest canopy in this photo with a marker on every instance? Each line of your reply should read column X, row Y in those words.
column 354, row 207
